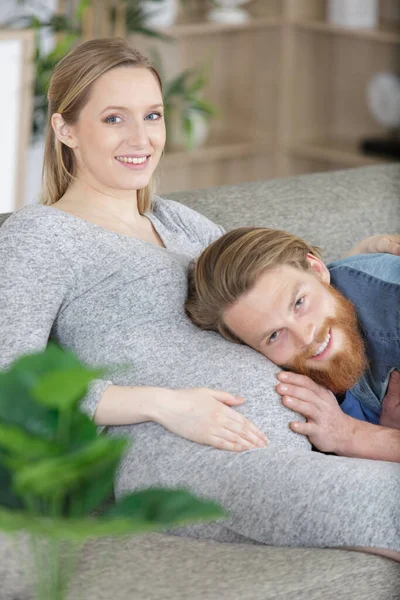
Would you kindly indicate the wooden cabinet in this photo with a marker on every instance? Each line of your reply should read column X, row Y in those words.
column 291, row 89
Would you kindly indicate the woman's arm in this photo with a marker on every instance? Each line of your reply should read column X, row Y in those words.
column 389, row 243
column 199, row 414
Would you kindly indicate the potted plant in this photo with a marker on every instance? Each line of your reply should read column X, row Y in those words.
column 187, row 113
column 55, row 470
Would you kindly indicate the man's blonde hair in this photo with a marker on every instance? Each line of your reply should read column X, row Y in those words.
column 230, row 267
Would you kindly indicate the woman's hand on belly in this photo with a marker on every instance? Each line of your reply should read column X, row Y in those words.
column 205, row 416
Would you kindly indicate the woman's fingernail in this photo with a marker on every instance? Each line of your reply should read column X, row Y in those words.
column 288, row 400
column 283, row 376
column 282, row 388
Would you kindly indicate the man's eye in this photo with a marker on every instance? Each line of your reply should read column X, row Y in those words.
column 272, row 338
column 299, row 302
column 113, row 119
column 154, row 116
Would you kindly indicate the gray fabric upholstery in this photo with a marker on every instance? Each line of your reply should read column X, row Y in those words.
column 160, row 567
column 333, row 210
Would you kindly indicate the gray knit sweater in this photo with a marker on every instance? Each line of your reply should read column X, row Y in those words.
column 117, row 300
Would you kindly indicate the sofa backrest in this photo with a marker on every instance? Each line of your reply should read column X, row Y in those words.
column 333, row 210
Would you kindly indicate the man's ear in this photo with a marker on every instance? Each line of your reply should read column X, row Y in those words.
column 63, row 131
column 319, row 267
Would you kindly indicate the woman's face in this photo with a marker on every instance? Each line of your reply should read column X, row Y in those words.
column 120, row 133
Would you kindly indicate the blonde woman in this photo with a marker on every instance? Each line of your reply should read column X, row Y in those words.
column 101, row 267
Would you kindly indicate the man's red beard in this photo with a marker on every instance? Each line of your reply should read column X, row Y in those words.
column 346, row 367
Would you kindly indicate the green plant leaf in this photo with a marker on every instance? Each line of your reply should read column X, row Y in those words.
column 177, row 86
column 180, row 508
column 63, row 389
column 204, row 107
column 81, row 9
column 61, row 475
column 25, row 448
column 189, row 131
column 165, row 507
column 63, row 47
column 18, row 407
column 93, row 491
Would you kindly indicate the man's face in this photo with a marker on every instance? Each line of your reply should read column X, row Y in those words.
column 298, row 321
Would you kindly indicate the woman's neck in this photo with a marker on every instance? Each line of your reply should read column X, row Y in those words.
column 85, row 200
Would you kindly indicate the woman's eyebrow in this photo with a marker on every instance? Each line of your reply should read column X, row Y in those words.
column 153, row 107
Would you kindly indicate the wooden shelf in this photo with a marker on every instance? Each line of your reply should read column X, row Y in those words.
column 218, row 147
column 336, row 151
column 199, row 25
column 385, row 33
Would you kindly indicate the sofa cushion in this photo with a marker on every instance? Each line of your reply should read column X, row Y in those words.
column 159, row 566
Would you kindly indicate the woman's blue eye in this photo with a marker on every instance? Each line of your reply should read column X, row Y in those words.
column 154, row 116
column 112, row 119
column 299, row 302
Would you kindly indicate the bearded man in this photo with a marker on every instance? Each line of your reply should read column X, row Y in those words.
column 336, row 327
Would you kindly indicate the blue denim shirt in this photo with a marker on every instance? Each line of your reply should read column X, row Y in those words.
column 372, row 283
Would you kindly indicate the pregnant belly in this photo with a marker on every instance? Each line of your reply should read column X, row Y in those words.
column 185, row 356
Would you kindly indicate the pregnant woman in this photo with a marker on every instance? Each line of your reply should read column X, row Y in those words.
column 101, row 267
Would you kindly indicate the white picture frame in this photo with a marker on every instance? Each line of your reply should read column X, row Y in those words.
column 16, row 97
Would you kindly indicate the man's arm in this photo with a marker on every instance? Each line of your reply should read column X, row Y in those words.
column 329, row 429
column 370, row 441
column 389, row 243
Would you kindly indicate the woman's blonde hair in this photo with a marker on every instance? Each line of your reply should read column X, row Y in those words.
column 69, row 91
column 230, row 267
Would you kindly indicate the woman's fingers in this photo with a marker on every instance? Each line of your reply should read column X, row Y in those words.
column 238, row 442
column 227, row 398
column 244, row 430
column 237, row 422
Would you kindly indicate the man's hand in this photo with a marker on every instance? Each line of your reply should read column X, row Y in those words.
column 327, row 427
column 389, row 243
column 390, row 416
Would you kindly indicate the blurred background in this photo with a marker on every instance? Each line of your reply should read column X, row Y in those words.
column 254, row 89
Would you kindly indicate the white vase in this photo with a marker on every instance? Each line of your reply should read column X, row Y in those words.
column 228, row 11
column 160, row 14
column 353, row 13
column 177, row 139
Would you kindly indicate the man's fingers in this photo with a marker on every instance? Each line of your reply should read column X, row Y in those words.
column 393, row 392
column 287, row 377
column 300, row 393
column 306, row 409
column 303, row 428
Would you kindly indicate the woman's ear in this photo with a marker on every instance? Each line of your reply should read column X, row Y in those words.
column 319, row 267
column 63, row 132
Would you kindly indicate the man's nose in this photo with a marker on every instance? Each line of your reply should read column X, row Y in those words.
column 305, row 333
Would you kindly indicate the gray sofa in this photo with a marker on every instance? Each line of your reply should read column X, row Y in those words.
column 333, row 210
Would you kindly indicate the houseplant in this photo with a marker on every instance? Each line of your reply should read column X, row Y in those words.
column 187, row 113
column 55, row 470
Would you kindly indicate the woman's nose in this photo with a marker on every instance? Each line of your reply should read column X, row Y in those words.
column 138, row 136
